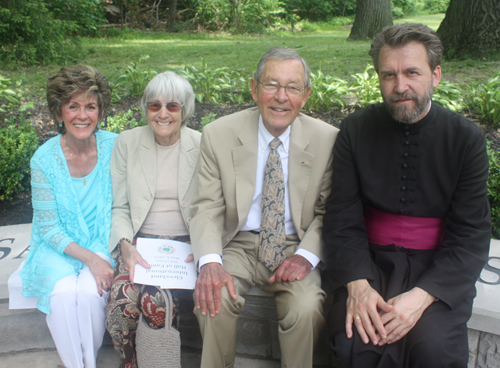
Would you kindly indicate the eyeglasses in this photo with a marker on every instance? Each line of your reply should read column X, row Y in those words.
column 172, row 106
column 291, row 89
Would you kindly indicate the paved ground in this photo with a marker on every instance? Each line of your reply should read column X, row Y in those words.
column 14, row 241
column 109, row 358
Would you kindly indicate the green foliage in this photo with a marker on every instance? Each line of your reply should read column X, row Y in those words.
column 449, row 96
column 206, row 120
column 341, row 21
column 88, row 15
column 256, row 15
column 122, row 121
column 213, row 15
column 134, row 79
column 366, row 87
column 320, row 10
column 401, row 8
column 29, row 34
column 494, row 189
column 326, row 91
column 215, row 85
column 436, row 6
column 487, row 99
column 241, row 15
column 18, row 142
column 7, row 95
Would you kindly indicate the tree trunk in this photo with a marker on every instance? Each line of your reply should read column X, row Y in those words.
column 172, row 13
column 471, row 28
column 371, row 17
column 236, row 4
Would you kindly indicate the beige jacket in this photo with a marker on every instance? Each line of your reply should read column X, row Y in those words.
column 133, row 175
column 225, row 181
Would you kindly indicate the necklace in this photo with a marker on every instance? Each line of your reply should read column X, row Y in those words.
column 67, row 149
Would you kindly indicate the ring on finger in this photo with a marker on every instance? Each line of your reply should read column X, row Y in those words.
column 104, row 284
column 357, row 317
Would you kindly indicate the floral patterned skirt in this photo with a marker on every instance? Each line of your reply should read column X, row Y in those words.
column 126, row 301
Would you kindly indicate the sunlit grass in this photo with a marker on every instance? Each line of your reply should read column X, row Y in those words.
column 326, row 49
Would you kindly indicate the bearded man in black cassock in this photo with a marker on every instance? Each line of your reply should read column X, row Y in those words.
column 407, row 226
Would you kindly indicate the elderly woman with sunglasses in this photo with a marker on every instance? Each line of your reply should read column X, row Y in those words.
column 152, row 171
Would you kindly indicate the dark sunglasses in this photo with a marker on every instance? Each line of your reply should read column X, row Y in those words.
column 171, row 106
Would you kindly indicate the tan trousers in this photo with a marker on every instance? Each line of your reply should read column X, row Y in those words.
column 299, row 307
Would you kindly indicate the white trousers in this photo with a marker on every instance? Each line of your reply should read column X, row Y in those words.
column 76, row 319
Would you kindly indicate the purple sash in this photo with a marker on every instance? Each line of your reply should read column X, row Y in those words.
column 411, row 232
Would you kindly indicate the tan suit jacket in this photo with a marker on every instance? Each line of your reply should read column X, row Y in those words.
column 227, row 173
column 133, row 174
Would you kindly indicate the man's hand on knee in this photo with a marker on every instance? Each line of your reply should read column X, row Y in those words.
column 407, row 310
column 363, row 305
column 291, row 269
column 208, row 290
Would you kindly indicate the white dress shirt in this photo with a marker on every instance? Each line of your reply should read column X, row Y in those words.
column 254, row 215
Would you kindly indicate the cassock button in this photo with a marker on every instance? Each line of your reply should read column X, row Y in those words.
column 403, row 200
column 405, row 155
column 403, row 188
column 407, row 133
column 407, row 143
column 403, row 177
column 405, row 166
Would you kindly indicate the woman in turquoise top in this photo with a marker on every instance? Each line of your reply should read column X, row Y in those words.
column 68, row 265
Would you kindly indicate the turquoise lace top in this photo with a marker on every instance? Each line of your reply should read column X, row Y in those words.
column 58, row 218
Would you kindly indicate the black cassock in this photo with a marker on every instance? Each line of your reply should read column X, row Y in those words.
column 436, row 167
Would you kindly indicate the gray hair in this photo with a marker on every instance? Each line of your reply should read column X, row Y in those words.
column 400, row 35
column 172, row 87
column 280, row 54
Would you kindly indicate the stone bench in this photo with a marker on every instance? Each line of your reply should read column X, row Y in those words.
column 258, row 325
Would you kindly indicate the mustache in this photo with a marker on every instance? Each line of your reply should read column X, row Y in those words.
column 403, row 96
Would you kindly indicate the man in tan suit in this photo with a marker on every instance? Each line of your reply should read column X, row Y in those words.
column 227, row 224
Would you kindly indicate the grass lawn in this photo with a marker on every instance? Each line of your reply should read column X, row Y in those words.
column 327, row 50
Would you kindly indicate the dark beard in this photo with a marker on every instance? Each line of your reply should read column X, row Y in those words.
column 406, row 114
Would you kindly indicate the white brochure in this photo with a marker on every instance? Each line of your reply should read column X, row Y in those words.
column 168, row 267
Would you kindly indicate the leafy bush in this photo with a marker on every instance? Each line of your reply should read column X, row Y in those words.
column 213, row 15
column 366, row 87
column 256, row 15
column 206, row 120
column 487, row 99
column 449, row 96
column 29, row 34
column 17, row 145
column 215, row 86
column 121, row 122
column 494, row 189
column 436, row 6
column 7, row 95
column 134, row 79
column 325, row 92
column 88, row 15
column 401, row 8
column 341, row 21
column 244, row 15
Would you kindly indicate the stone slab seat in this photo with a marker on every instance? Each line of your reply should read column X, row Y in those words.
column 25, row 330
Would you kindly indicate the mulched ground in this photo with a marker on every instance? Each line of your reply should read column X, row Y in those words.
column 19, row 210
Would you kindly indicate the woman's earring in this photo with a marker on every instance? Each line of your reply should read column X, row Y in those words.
column 60, row 125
